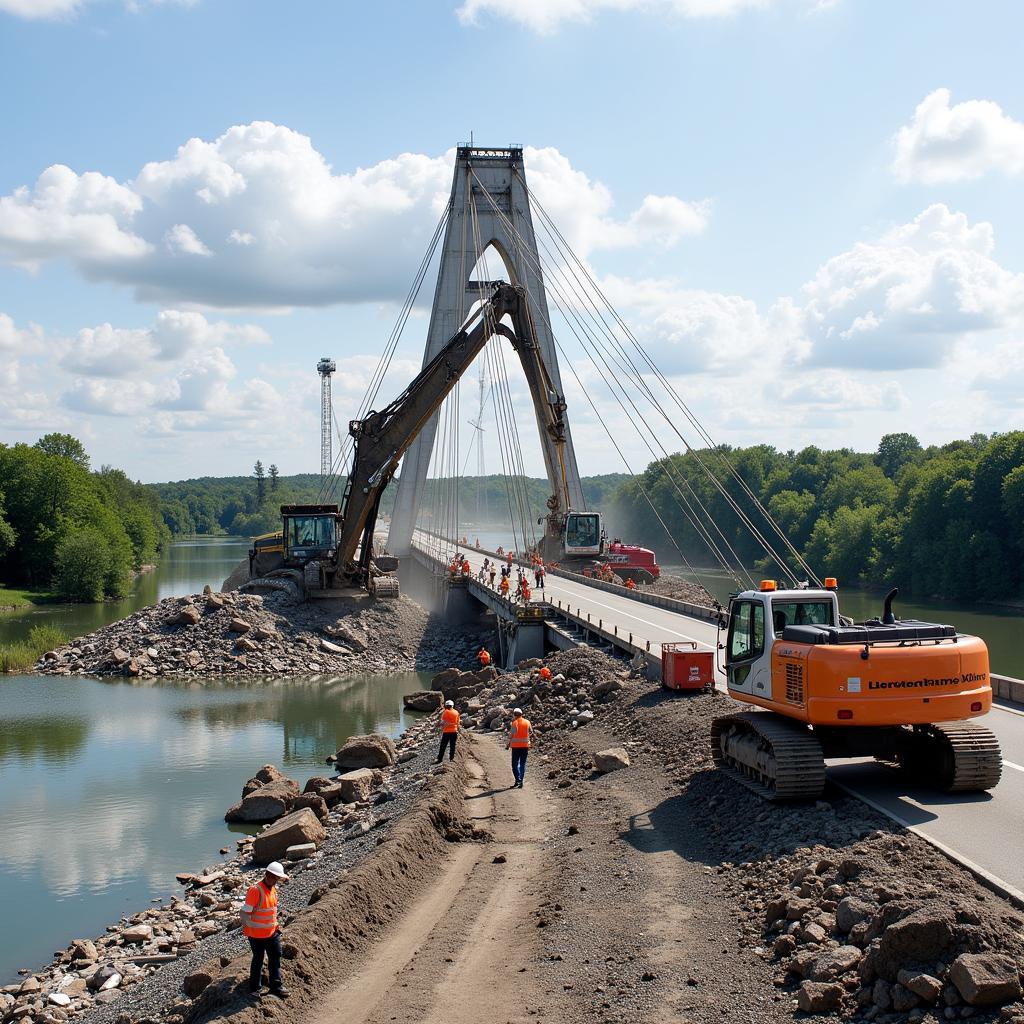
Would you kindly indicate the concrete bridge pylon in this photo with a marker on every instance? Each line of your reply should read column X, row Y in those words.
column 489, row 207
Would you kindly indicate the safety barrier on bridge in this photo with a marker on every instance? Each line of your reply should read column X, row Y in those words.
column 1008, row 689
column 672, row 604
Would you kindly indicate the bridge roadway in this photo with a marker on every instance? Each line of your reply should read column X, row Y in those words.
column 980, row 830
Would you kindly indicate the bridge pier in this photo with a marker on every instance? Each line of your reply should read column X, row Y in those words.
column 460, row 606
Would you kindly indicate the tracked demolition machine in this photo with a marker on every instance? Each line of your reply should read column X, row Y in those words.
column 898, row 690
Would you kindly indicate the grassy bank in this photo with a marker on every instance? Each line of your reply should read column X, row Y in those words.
column 11, row 598
column 23, row 654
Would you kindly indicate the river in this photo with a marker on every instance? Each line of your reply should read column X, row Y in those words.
column 185, row 568
column 109, row 788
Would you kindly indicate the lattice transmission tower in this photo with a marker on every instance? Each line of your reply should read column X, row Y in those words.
column 325, row 368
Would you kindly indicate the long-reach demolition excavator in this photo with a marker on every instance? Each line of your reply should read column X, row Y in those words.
column 898, row 690
column 323, row 548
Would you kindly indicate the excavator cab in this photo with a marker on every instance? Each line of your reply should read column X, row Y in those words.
column 310, row 532
column 583, row 534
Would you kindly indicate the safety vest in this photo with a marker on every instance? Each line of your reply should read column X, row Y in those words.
column 485, row 658
column 450, row 720
column 504, row 584
column 520, row 732
column 263, row 917
column 545, row 672
column 466, row 568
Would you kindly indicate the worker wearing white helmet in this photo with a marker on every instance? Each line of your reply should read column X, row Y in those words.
column 449, row 731
column 259, row 923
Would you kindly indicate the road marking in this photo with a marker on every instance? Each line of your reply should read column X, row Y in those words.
column 1010, row 764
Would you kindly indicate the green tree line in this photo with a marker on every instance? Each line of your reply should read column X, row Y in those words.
column 944, row 521
column 65, row 527
column 247, row 506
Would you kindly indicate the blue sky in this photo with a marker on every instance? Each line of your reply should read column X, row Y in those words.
column 848, row 260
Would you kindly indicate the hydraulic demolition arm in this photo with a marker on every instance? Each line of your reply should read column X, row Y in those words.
column 382, row 438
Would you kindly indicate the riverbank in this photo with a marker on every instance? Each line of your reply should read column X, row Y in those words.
column 13, row 598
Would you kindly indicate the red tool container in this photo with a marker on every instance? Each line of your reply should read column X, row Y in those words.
column 683, row 667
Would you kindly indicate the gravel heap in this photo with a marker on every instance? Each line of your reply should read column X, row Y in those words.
column 681, row 589
column 217, row 633
column 139, row 969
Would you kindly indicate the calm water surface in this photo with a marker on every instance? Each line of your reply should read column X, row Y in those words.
column 107, row 789
column 185, row 568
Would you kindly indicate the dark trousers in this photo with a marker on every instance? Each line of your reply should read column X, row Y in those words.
column 447, row 740
column 519, row 762
column 272, row 948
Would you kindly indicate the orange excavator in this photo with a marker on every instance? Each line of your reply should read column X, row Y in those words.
column 898, row 690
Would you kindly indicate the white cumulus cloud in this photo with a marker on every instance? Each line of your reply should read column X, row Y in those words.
column 41, row 9
column 258, row 219
column 947, row 143
column 546, row 16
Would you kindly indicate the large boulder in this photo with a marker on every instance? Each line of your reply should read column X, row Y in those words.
column 314, row 801
column 611, row 760
column 852, row 911
column 833, row 963
column 268, row 773
column 189, row 615
column 923, row 935
column 819, row 997
column 986, row 979
column 357, row 785
column 371, row 751
column 298, row 828
column 328, row 789
column 349, row 635
column 423, row 700
column 267, row 803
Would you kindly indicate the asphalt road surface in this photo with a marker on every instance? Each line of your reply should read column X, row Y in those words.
column 982, row 830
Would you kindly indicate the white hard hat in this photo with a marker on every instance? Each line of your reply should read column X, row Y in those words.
column 449, row 703
column 274, row 868
column 517, row 711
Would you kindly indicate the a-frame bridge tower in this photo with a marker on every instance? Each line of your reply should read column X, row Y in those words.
column 489, row 206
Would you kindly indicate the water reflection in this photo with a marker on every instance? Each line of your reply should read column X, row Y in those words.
column 108, row 788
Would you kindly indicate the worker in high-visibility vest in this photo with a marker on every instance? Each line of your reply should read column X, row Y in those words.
column 449, row 731
column 524, row 590
column 259, row 924
column 519, row 736
column 466, row 568
column 508, row 558
column 545, row 674
column 503, row 587
column 630, row 584
column 484, row 657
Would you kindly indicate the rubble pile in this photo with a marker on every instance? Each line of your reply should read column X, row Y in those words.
column 667, row 585
column 218, row 633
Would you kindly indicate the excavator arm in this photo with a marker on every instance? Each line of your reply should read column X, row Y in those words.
column 382, row 438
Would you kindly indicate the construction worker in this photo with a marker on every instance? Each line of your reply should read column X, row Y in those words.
column 259, row 923
column 504, row 588
column 524, row 591
column 630, row 584
column 508, row 558
column 540, row 576
column 484, row 657
column 466, row 567
column 492, row 572
column 449, row 731
column 519, row 740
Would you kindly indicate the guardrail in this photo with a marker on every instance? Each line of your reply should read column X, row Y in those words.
column 1008, row 688
column 672, row 604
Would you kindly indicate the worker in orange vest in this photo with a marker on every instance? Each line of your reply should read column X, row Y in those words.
column 630, row 584
column 449, row 731
column 544, row 673
column 484, row 657
column 503, row 586
column 259, row 923
column 524, row 590
column 466, row 568
column 508, row 558
column 519, row 736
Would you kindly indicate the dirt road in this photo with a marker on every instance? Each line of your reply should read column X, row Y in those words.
column 469, row 949
column 602, row 909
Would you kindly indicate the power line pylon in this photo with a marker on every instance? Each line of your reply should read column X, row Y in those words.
column 325, row 368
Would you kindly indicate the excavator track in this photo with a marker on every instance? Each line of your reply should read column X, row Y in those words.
column 386, row 587
column 773, row 756
column 956, row 757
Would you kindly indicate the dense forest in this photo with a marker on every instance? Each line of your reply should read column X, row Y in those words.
column 944, row 521
column 64, row 527
column 246, row 506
